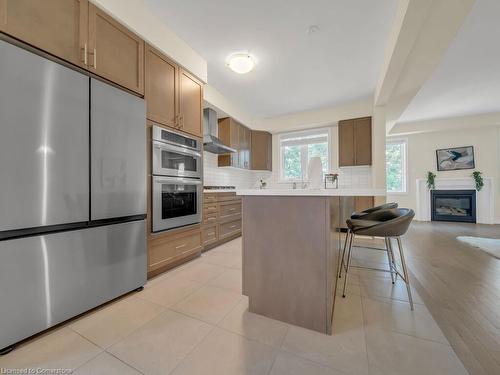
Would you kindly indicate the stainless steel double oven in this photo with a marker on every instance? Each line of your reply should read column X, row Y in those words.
column 177, row 179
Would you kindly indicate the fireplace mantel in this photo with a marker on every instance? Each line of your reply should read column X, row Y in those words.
column 485, row 201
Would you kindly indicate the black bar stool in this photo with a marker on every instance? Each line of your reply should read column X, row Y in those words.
column 359, row 215
column 390, row 224
column 385, row 206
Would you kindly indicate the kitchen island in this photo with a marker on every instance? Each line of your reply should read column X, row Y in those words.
column 291, row 249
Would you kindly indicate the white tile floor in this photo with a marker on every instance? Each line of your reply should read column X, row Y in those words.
column 194, row 320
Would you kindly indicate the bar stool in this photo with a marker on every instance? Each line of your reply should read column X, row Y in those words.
column 385, row 206
column 390, row 224
column 359, row 215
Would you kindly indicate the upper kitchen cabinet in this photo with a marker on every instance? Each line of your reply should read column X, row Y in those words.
column 114, row 52
column 229, row 134
column 261, row 151
column 59, row 27
column 80, row 33
column 161, row 88
column 245, row 144
column 173, row 96
column 355, row 142
column 190, row 104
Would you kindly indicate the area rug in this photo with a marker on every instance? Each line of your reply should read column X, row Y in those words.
column 488, row 245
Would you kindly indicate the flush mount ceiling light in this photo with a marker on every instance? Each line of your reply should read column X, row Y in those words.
column 240, row 63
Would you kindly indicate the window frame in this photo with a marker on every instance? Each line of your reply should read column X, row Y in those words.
column 328, row 130
column 405, row 173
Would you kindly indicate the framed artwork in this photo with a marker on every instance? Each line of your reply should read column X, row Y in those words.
column 450, row 159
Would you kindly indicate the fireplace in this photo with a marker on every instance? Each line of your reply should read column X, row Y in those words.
column 453, row 205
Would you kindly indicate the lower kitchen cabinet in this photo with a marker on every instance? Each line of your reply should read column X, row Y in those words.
column 168, row 249
column 221, row 218
column 210, row 234
column 230, row 229
column 363, row 202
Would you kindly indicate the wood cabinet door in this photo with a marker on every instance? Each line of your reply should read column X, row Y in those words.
column 161, row 88
column 261, row 150
column 234, row 132
column 115, row 52
column 244, row 150
column 59, row 27
column 191, row 98
column 346, row 143
column 363, row 141
column 362, row 203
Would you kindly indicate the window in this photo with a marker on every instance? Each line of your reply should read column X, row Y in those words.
column 395, row 159
column 297, row 148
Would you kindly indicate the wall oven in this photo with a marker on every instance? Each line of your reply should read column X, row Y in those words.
column 176, row 202
column 175, row 154
column 177, row 186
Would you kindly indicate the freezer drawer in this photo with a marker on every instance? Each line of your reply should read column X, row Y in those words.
column 118, row 153
column 44, row 142
column 48, row 279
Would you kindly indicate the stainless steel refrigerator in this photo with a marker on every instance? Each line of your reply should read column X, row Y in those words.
column 72, row 193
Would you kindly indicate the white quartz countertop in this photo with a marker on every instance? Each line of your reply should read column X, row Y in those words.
column 312, row 192
column 219, row 190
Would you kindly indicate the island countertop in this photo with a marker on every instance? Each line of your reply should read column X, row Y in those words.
column 361, row 192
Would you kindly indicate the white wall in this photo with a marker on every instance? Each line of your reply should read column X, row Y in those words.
column 422, row 158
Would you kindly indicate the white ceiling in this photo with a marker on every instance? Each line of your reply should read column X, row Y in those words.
column 296, row 71
column 467, row 81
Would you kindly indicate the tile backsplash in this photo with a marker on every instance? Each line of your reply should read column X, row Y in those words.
column 355, row 177
column 229, row 176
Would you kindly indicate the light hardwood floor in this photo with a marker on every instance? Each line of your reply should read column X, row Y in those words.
column 460, row 285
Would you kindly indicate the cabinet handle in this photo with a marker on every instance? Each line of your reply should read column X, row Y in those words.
column 232, row 209
column 85, row 54
column 232, row 226
column 95, row 59
column 180, row 246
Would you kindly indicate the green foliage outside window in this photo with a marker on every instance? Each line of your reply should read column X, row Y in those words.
column 292, row 164
column 394, row 158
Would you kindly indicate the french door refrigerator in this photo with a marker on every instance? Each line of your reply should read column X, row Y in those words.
column 72, row 193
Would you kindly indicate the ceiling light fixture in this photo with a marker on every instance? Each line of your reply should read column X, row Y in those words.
column 241, row 63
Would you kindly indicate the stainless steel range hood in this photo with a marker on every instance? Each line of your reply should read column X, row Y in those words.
column 211, row 142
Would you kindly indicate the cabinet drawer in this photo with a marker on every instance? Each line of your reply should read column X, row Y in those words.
column 210, row 217
column 229, row 209
column 210, row 207
column 224, row 197
column 168, row 249
column 230, row 228
column 209, row 198
column 210, row 234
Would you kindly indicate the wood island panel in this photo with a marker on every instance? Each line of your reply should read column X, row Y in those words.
column 290, row 258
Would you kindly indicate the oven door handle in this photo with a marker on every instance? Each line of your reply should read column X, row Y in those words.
column 184, row 181
column 180, row 150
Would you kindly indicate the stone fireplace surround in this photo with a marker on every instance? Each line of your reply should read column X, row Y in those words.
column 485, row 201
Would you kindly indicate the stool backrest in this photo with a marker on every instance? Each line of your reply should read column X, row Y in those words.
column 394, row 222
column 384, row 206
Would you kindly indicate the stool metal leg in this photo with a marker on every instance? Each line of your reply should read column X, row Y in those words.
column 405, row 271
column 343, row 253
column 389, row 258
column 349, row 255
column 393, row 259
